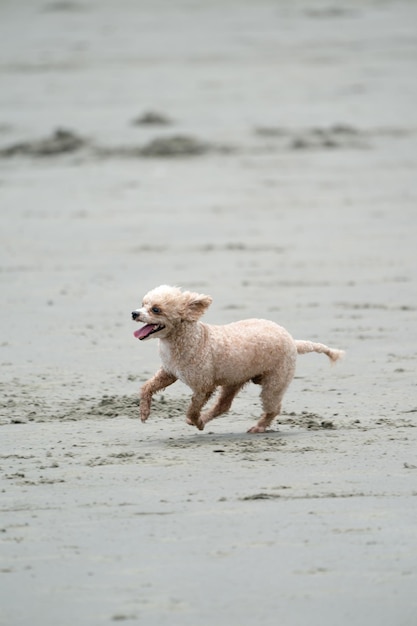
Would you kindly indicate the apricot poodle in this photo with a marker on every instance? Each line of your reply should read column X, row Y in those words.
column 205, row 357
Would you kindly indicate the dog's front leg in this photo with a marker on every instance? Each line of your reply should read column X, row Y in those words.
column 198, row 400
column 223, row 404
column 158, row 382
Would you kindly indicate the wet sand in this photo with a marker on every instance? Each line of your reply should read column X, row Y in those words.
column 262, row 153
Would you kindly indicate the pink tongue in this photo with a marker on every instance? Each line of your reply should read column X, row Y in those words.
column 144, row 331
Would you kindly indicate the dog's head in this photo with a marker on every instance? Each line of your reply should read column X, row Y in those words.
column 165, row 307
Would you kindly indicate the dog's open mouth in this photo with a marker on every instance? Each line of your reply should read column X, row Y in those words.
column 147, row 330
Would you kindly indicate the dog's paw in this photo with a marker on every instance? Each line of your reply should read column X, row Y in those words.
column 257, row 429
column 198, row 424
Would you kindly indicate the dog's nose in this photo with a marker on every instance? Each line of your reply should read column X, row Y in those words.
column 135, row 315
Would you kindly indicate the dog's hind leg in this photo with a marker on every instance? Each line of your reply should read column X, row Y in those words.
column 223, row 404
column 198, row 400
column 158, row 382
column 273, row 389
column 263, row 423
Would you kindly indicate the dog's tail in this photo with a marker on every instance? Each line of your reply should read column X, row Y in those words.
column 309, row 346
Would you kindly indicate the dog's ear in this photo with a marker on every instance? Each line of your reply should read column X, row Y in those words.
column 195, row 304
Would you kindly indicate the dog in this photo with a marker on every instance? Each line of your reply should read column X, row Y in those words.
column 206, row 357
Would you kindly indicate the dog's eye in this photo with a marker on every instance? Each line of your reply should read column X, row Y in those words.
column 156, row 309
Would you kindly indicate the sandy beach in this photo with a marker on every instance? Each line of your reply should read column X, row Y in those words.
column 264, row 153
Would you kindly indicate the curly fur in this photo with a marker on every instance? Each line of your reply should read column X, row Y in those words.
column 206, row 357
